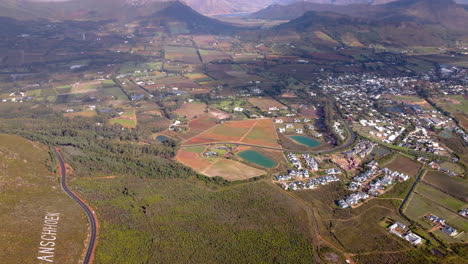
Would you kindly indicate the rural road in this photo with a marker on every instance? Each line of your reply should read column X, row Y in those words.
column 89, row 211
column 351, row 139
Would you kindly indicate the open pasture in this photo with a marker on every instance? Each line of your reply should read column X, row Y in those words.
column 440, row 197
column 456, row 187
column 193, row 160
column 81, row 114
column 213, row 55
column 204, row 41
column 202, row 123
column 191, row 110
column 198, row 77
column 227, row 132
column 232, row 170
column 403, row 165
column 265, row 103
column 86, row 87
column 128, row 119
column 420, row 206
column 182, row 54
column 263, row 134
column 256, row 132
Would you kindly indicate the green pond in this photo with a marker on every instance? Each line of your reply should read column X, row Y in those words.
column 257, row 158
column 305, row 141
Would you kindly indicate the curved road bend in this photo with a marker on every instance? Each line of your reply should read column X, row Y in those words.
column 351, row 139
column 89, row 212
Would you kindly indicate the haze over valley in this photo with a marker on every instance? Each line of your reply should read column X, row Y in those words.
column 148, row 131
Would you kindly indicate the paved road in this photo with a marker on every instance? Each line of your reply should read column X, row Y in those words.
column 89, row 212
column 351, row 139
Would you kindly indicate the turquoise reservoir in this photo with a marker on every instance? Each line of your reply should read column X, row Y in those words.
column 305, row 141
column 257, row 158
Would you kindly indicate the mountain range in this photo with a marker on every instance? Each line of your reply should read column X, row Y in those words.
column 402, row 24
column 444, row 12
column 399, row 23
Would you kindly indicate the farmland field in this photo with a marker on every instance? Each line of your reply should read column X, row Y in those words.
column 265, row 103
column 212, row 55
column 264, row 133
column 86, row 87
column 82, row 114
column 232, row 170
column 403, row 165
column 257, row 132
column 128, row 123
column 202, row 123
column 456, row 187
column 182, row 54
column 29, row 192
column 440, row 197
column 116, row 92
column 419, row 206
column 191, row 110
column 192, row 159
column 128, row 119
column 229, row 131
column 457, row 105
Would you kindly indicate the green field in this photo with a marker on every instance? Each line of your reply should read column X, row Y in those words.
column 454, row 103
column 420, row 206
column 454, row 186
column 29, row 192
column 440, row 197
column 453, row 167
column 180, row 221
column 108, row 84
column 123, row 122
column 116, row 92
column 196, row 149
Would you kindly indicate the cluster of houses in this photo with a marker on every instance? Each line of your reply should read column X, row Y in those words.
column 310, row 162
column 210, row 154
column 310, row 183
column 305, row 121
column 373, row 102
column 388, row 133
column 441, row 223
column 339, row 131
column 367, row 183
column 353, row 199
column 400, row 230
column 362, row 149
column 420, row 140
column 462, row 134
column 15, row 98
column 300, row 172
column 295, row 161
column 293, row 174
column 436, row 165
column 378, row 186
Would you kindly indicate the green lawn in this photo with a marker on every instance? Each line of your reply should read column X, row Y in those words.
column 123, row 122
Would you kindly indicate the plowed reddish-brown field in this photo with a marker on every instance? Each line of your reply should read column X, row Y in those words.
column 192, row 160
column 256, row 132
